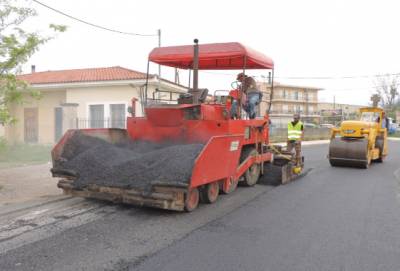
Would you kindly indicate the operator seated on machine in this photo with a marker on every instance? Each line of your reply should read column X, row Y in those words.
column 295, row 136
column 385, row 121
column 250, row 96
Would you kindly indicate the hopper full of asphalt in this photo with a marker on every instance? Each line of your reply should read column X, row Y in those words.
column 128, row 164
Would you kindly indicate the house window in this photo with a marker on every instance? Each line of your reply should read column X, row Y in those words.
column 296, row 95
column 284, row 94
column 311, row 109
column 96, row 115
column 285, row 108
column 117, row 115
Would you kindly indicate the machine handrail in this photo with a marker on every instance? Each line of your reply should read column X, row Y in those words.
column 171, row 92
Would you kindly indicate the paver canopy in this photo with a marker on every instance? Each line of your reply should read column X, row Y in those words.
column 213, row 56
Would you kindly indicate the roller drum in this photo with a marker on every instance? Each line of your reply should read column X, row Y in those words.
column 349, row 152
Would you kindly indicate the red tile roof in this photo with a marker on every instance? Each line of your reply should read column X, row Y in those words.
column 82, row 75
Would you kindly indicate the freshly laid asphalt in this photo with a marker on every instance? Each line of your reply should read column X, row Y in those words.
column 331, row 219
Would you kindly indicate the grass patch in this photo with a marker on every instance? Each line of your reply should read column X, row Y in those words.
column 397, row 134
column 24, row 154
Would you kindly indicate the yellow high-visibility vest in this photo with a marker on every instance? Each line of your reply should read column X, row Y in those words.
column 294, row 132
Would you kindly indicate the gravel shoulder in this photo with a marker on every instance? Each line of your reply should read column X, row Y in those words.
column 28, row 183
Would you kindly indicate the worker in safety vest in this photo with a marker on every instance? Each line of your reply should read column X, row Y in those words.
column 295, row 136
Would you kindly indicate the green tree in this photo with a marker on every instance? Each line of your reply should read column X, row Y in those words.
column 375, row 98
column 16, row 46
column 387, row 89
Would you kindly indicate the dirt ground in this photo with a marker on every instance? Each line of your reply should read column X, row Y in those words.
column 21, row 184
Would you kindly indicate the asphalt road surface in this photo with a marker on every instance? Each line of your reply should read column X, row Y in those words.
column 331, row 219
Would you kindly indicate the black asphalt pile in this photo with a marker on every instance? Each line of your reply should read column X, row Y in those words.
column 130, row 164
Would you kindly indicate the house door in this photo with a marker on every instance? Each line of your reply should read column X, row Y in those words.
column 58, row 123
column 31, row 125
column 117, row 115
column 96, row 112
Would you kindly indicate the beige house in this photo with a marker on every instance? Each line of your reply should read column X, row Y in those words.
column 290, row 99
column 83, row 98
column 346, row 109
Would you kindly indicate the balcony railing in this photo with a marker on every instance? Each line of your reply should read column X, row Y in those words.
column 292, row 97
column 316, row 113
column 82, row 123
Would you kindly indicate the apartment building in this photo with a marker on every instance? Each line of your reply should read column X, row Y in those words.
column 290, row 99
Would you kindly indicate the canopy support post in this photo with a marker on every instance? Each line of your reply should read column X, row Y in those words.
column 241, row 86
column 196, row 65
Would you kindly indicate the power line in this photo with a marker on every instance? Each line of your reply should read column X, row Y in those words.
column 339, row 77
column 226, row 74
column 92, row 24
column 356, row 89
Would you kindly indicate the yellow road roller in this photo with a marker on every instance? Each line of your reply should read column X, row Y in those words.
column 357, row 143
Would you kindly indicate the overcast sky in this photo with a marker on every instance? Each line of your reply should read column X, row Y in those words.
column 305, row 38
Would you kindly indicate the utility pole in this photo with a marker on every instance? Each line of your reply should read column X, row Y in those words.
column 334, row 104
column 307, row 102
column 334, row 111
column 159, row 45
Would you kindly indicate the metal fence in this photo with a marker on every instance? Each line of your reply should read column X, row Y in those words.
column 82, row 123
column 314, row 120
column 280, row 134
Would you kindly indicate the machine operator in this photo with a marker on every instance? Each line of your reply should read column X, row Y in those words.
column 295, row 136
column 385, row 121
column 250, row 96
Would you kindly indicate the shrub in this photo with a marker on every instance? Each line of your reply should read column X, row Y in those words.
column 3, row 145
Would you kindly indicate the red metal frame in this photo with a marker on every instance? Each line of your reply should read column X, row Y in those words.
column 175, row 123
column 224, row 138
column 217, row 161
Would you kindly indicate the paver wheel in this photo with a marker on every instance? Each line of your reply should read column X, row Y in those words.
column 227, row 190
column 192, row 199
column 209, row 193
column 251, row 175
